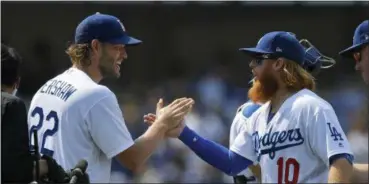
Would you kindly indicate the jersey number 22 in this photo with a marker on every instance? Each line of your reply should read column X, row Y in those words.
column 51, row 117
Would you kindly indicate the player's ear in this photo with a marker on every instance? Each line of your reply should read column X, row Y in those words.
column 95, row 46
column 278, row 64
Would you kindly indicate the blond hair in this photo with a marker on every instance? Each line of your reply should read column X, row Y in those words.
column 79, row 54
column 295, row 77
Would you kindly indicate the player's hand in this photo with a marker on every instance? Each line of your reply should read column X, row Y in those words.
column 56, row 174
column 150, row 118
column 172, row 115
column 81, row 179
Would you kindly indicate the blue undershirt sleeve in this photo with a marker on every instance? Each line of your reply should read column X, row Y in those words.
column 214, row 154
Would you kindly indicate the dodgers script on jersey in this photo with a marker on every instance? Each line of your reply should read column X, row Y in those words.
column 238, row 124
column 296, row 144
column 76, row 119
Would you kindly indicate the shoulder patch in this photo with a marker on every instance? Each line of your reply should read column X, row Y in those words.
column 250, row 109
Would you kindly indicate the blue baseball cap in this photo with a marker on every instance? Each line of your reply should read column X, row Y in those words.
column 361, row 38
column 278, row 43
column 105, row 28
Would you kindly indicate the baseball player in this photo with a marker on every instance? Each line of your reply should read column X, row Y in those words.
column 359, row 51
column 77, row 118
column 314, row 61
column 295, row 135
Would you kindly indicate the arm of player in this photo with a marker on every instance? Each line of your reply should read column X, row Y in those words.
column 360, row 173
column 109, row 132
column 329, row 142
column 340, row 170
column 136, row 155
column 146, row 144
column 215, row 154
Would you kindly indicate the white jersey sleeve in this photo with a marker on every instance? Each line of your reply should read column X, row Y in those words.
column 237, row 127
column 244, row 144
column 326, row 136
column 107, row 127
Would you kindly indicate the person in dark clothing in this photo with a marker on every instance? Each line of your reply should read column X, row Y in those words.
column 17, row 162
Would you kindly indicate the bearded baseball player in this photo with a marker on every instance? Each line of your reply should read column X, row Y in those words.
column 295, row 135
column 283, row 49
column 77, row 118
column 314, row 62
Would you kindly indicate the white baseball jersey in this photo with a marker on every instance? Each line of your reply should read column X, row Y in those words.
column 76, row 119
column 238, row 124
column 296, row 144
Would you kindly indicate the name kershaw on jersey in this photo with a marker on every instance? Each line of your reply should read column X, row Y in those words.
column 58, row 88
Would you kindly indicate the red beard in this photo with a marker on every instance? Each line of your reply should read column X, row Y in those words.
column 263, row 89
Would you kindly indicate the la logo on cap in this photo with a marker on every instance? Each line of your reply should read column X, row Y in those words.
column 124, row 29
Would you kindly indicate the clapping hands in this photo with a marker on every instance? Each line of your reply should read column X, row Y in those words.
column 173, row 115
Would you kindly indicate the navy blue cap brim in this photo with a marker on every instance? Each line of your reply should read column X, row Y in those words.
column 126, row 40
column 254, row 51
column 349, row 51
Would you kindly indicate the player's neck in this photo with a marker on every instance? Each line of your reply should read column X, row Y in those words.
column 95, row 75
column 278, row 98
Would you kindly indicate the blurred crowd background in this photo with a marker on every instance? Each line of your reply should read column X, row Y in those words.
column 191, row 49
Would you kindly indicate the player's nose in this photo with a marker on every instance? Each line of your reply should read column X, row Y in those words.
column 252, row 64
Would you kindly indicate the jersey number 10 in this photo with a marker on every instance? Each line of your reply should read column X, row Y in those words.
column 284, row 170
column 51, row 116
